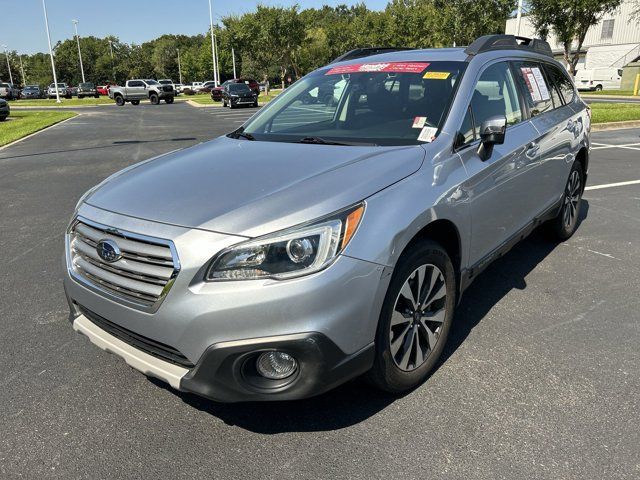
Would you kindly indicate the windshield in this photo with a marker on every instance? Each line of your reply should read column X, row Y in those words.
column 238, row 88
column 164, row 82
column 86, row 85
column 151, row 82
column 398, row 103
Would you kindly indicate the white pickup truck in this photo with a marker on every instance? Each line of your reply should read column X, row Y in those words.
column 136, row 90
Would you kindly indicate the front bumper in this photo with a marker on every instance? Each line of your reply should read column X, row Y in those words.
column 226, row 372
column 326, row 320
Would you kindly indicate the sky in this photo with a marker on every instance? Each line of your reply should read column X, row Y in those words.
column 22, row 21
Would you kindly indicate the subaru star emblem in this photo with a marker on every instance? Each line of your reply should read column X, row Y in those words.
column 108, row 251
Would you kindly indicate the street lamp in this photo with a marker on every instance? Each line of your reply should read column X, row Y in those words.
column 75, row 26
column 6, row 54
column 53, row 64
column 213, row 48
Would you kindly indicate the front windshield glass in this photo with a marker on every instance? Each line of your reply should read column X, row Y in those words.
column 397, row 103
column 238, row 88
column 86, row 85
column 151, row 82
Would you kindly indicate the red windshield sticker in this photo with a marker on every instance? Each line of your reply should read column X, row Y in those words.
column 391, row 67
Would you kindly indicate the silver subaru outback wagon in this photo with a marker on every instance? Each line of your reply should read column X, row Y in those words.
column 333, row 234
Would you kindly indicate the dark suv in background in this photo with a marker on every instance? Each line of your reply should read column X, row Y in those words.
column 216, row 92
column 87, row 89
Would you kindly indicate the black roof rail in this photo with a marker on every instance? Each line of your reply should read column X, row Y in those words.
column 365, row 52
column 488, row 43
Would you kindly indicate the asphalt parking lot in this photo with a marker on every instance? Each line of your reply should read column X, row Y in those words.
column 541, row 378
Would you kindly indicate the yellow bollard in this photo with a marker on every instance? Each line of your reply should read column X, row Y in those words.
column 637, row 84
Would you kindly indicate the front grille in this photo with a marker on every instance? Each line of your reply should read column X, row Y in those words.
column 167, row 88
column 141, row 277
column 157, row 349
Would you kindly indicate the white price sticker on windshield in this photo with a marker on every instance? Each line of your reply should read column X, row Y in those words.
column 427, row 134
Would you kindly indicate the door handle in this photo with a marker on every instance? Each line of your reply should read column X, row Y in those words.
column 532, row 149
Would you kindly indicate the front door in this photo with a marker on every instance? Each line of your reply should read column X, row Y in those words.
column 499, row 181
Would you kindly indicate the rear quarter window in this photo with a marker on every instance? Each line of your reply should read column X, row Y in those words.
column 560, row 78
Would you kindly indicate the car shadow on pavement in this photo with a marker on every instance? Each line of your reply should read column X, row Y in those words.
column 356, row 401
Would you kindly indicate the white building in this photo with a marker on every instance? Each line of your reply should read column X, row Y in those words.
column 613, row 42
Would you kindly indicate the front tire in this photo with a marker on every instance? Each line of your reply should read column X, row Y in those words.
column 154, row 99
column 566, row 222
column 416, row 318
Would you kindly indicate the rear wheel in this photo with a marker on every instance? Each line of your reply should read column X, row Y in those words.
column 231, row 105
column 3, row 118
column 80, row 96
column 155, row 100
column 416, row 318
column 169, row 99
column 119, row 100
column 598, row 88
column 566, row 222
column 135, row 102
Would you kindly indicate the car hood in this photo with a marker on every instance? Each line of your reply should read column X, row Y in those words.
column 251, row 188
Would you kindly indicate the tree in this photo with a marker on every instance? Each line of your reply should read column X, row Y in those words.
column 569, row 21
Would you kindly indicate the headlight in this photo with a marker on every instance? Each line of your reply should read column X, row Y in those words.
column 290, row 253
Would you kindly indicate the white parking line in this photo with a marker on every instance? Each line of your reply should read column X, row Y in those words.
column 628, row 146
column 609, row 185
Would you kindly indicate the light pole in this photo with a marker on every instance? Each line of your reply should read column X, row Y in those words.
column 215, row 42
column 179, row 67
column 53, row 64
column 6, row 54
column 75, row 25
column 519, row 18
column 24, row 79
column 113, row 68
column 233, row 58
column 213, row 48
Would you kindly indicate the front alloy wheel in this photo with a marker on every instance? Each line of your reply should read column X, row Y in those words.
column 417, row 317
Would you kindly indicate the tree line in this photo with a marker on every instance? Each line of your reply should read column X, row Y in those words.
column 269, row 43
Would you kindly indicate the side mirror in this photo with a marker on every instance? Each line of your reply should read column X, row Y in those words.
column 492, row 130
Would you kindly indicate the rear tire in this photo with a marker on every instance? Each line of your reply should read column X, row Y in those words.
column 564, row 225
column 135, row 102
column 154, row 99
column 416, row 318
column 169, row 100
column 119, row 100
column 231, row 106
column 598, row 88
column 80, row 97
column 2, row 119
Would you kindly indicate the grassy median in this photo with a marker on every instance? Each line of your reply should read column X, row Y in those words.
column 614, row 112
column 21, row 124
column 64, row 102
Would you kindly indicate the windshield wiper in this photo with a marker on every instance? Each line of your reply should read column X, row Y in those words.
column 240, row 133
column 322, row 141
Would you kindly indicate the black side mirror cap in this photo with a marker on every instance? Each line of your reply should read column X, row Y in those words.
column 492, row 130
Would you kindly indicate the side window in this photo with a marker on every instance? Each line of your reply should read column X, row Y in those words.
column 466, row 133
column 553, row 87
column 561, row 80
column 496, row 94
column 535, row 88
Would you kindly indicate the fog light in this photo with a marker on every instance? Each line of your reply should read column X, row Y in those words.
column 276, row 365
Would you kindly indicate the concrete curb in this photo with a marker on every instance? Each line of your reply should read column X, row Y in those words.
column 611, row 97
column 200, row 105
column 600, row 127
column 39, row 131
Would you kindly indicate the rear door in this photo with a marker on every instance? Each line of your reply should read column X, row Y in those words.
column 498, row 185
column 556, row 129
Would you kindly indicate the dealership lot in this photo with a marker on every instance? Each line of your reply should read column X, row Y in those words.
column 540, row 379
